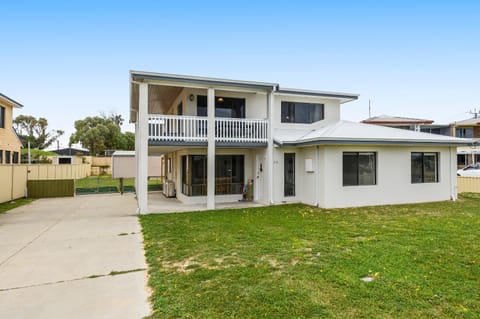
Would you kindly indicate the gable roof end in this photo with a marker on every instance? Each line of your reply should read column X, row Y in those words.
column 11, row 101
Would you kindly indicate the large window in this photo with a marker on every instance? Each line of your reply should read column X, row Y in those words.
column 229, row 174
column 466, row 132
column 359, row 168
column 424, row 167
column 224, row 106
column 289, row 174
column 297, row 112
column 2, row 117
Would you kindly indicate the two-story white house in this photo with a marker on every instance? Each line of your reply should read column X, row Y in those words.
column 217, row 134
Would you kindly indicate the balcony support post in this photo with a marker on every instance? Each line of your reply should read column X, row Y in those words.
column 270, row 161
column 141, row 150
column 211, row 149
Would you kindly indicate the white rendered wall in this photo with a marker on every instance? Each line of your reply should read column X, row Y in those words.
column 323, row 186
column 393, row 178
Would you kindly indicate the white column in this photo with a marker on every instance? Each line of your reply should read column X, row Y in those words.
column 211, row 149
column 142, row 149
column 137, row 134
column 270, row 162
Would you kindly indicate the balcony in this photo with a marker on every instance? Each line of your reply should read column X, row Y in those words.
column 179, row 129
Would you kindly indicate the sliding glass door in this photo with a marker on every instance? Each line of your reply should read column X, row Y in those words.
column 229, row 174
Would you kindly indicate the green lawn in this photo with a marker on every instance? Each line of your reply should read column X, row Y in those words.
column 108, row 184
column 13, row 204
column 295, row 261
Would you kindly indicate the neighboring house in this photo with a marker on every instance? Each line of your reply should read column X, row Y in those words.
column 469, row 128
column 405, row 123
column 10, row 144
column 216, row 135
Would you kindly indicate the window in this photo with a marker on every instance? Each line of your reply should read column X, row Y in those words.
column 2, row 117
column 180, row 109
column 7, row 157
column 297, row 112
column 229, row 174
column 424, row 167
column 466, row 132
column 289, row 174
column 1, row 156
column 224, row 107
column 15, row 158
column 462, row 160
column 359, row 168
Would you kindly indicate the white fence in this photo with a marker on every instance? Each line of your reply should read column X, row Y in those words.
column 194, row 129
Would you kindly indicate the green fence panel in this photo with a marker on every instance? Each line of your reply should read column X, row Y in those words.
column 51, row 188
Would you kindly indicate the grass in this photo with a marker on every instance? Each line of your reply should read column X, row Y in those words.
column 295, row 261
column 13, row 204
column 106, row 183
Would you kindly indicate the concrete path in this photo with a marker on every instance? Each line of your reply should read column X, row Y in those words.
column 76, row 257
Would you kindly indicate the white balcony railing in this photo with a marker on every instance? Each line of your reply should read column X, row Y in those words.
column 194, row 129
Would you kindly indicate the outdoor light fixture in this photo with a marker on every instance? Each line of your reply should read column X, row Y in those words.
column 220, row 99
column 191, row 97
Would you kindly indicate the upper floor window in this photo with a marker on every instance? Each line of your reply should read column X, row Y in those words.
column 424, row 167
column 299, row 112
column 359, row 168
column 15, row 158
column 2, row 117
column 466, row 132
column 224, row 107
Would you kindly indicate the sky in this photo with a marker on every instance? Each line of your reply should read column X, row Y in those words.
column 68, row 60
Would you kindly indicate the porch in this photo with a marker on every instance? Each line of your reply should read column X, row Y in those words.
column 159, row 204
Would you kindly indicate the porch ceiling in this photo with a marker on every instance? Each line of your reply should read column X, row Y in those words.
column 160, row 98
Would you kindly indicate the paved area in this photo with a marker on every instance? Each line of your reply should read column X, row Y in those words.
column 158, row 204
column 76, row 257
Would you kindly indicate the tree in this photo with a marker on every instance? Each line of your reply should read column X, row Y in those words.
column 99, row 133
column 29, row 128
column 127, row 141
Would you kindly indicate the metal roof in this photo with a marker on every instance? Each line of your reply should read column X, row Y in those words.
column 468, row 122
column 12, row 101
column 387, row 119
column 142, row 76
column 345, row 133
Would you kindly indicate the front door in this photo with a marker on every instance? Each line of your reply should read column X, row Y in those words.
column 259, row 176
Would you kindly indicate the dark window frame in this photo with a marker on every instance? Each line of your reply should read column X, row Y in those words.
column 229, row 174
column 236, row 106
column 2, row 116
column 15, row 157
column 8, row 157
column 415, row 179
column 289, row 187
column 464, row 132
column 1, row 156
column 301, row 112
column 357, row 169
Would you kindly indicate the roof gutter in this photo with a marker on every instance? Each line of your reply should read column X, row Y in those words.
column 138, row 76
column 374, row 142
column 15, row 103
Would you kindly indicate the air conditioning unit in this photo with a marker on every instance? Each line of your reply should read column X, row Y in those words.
column 169, row 188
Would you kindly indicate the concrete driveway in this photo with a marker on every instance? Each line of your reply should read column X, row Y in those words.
column 76, row 257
